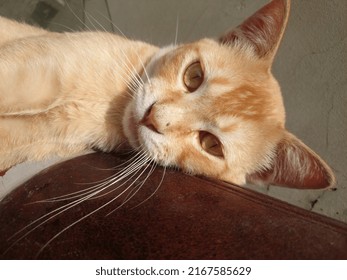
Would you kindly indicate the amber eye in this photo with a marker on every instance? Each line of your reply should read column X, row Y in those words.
column 193, row 76
column 211, row 144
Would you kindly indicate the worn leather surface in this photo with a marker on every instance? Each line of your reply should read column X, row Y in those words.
column 186, row 218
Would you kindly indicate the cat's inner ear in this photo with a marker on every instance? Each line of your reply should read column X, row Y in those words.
column 263, row 30
column 295, row 165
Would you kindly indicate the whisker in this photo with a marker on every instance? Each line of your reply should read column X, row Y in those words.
column 133, row 154
column 135, row 164
column 62, row 25
column 48, row 216
column 159, row 185
column 133, row 172
column 121, row 32
column 135, row 80
column 84, row 217
column 176, row 35
column 133, row 72
column 131, row 194
column 129, row 85
column 134, row 181
column 109, row 14
column 76, row 16
column 87, row 16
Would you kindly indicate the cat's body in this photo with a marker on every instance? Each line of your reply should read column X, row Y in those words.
column 209, row 107
column 56, row 100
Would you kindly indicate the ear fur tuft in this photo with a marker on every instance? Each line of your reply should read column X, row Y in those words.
column 295, row 165
column 263, row 30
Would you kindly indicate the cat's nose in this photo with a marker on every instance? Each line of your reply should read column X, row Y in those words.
column 149, row 120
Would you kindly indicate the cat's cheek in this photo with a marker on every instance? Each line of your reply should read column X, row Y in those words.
column 130, row 126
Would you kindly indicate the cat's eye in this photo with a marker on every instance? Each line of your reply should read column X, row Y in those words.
column 211, row 144
column 193, row 76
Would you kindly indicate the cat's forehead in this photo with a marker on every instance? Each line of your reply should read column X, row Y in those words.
column 221, row 63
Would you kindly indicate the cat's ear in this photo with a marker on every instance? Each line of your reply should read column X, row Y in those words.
column 295, row 165
column 263, row 30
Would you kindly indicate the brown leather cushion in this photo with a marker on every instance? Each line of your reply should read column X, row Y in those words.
column 186, row 218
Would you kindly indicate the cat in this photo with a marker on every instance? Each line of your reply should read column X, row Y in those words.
column 211, row 107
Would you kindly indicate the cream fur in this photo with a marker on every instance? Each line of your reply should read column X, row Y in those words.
column 56, row 100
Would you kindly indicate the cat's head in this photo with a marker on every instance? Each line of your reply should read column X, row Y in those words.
column 212, row 107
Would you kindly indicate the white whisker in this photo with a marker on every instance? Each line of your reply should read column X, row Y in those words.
column 121, row 32
column 131, row 194
column 86, row 216
column 133, row 154
column 135, row 164
column 76, row 16
column 87, row 15
column 133, row 71
column 109, row 14
column 159, row 185
column 135, row 80
column 62, row 25
column 133, row 173
column 94, row 191
column 176, row 34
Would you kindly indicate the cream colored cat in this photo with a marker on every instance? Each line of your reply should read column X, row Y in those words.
column 209, row 107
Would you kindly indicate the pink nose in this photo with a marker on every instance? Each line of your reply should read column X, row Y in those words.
column 149, row 120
